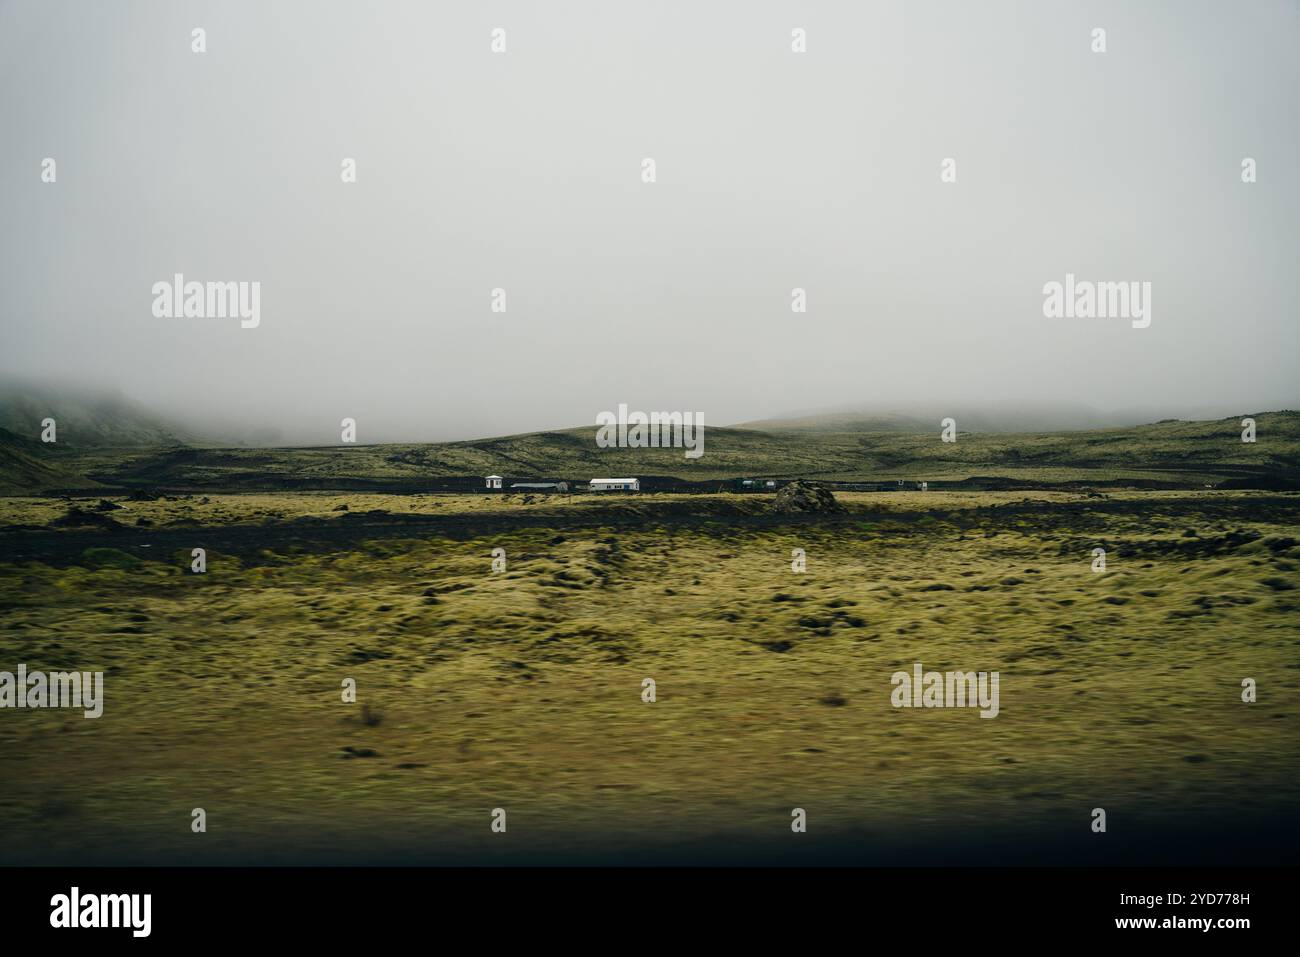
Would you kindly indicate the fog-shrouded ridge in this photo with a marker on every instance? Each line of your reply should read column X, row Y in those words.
column 88, row 416
column 522, row 171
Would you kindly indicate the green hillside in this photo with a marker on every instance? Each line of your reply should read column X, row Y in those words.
column 1174, row 452
column 26, row 468
column 85, row 418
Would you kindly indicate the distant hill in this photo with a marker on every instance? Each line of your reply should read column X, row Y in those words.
column 85, row 418
column 1173, row 453
column 108, row 439
column 28, row 468
column 971, row 417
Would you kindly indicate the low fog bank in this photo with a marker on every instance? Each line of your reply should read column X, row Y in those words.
column 105, row 414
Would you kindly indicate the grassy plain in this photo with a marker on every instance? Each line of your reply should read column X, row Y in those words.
column 522, row 689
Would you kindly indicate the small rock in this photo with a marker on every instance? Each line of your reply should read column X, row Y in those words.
column 351, row 752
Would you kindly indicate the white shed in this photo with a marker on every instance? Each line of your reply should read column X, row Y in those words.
column 494, row 481
column 615, row 485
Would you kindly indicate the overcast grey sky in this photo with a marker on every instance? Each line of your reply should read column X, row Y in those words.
column 522, row 170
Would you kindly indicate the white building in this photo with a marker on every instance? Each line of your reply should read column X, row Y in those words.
column 494, row 481
column 615, row 484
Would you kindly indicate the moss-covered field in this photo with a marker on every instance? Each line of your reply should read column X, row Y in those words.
column 522, row 689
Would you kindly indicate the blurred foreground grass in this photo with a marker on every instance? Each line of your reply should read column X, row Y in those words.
column 522, row 689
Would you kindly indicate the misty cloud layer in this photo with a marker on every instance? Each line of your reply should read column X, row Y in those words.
column 522, row 171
